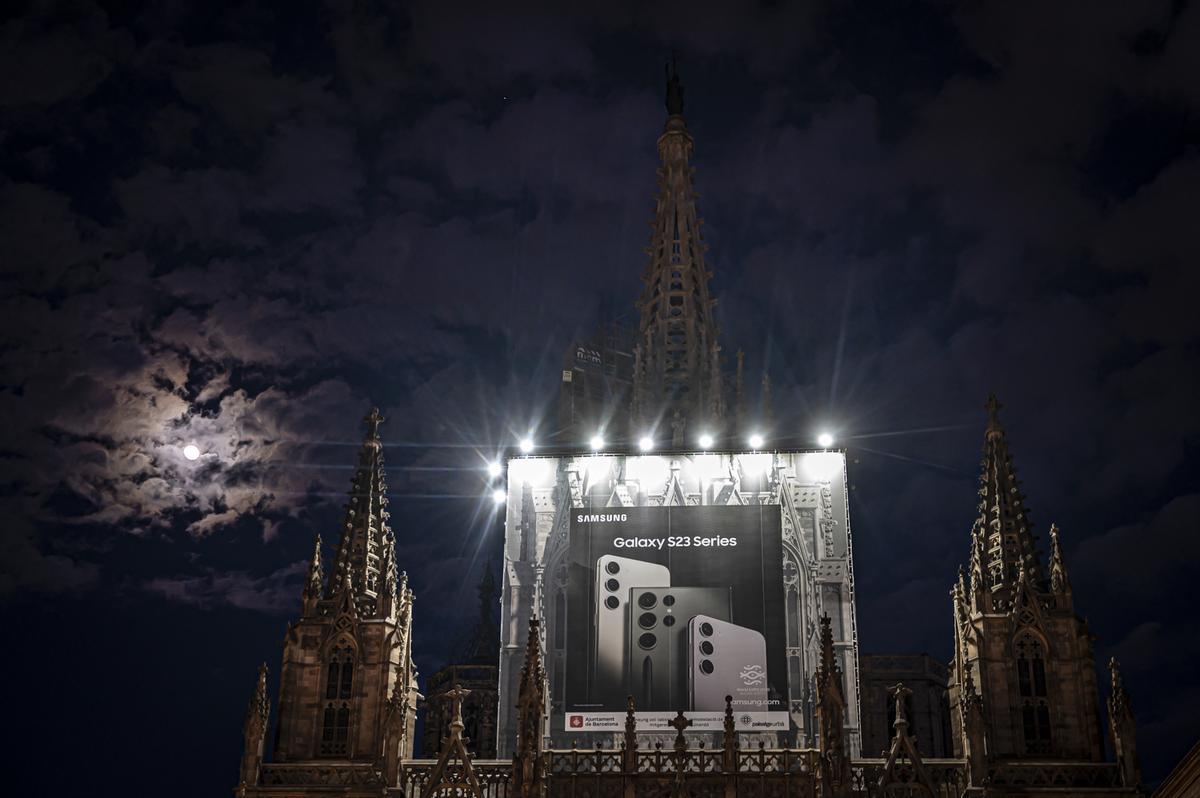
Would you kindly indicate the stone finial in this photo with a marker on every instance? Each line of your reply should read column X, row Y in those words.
column 373, row 420
column 1059, row 583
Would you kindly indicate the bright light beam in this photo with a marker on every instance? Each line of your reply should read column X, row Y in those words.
column 825, row 440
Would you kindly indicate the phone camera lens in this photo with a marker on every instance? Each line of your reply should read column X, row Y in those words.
column 706, row 629
column 647, row 600
column 612, row 602
column 669, row 620
column 706, row 665
column 648, row 640
column 647, row 620
column 613, row 585
column 706, row 648
column 613, row 567
column 668, row 600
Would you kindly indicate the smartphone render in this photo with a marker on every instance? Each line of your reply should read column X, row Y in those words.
column 726, row 660
column 615, row 576
column 658, row 623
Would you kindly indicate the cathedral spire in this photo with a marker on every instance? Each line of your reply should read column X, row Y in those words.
column 1004, row 534
column 364, row 566
column 677, row 377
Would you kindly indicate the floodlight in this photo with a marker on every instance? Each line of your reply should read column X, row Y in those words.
column 825, row 440
column 756, row 441
column 191, row 451
column 494, row 469
column 498, row 496
column 645, row 444
column 706, row 441
column 526, row 445
column 597, row 443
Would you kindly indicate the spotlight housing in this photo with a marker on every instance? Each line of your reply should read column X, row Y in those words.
column 756, row 441
column 706, row 441
column 825, row 440
column 646, row 443
column 526, row 445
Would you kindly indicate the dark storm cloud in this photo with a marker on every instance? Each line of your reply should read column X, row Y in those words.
column 242, row 227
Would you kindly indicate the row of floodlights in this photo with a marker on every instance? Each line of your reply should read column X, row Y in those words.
column 645, row 444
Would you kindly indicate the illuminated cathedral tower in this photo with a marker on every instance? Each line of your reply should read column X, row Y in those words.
column 677, row 376
column 1022, row 682
column 348, row 686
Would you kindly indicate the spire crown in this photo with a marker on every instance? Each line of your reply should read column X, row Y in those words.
column 993, row 410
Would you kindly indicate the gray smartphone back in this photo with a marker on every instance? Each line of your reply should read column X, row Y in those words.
column 615, row 576
column 658, row 658
column 726, row 660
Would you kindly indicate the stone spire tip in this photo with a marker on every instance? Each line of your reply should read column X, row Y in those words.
column 674, row 88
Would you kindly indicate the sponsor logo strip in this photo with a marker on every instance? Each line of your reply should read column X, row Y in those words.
column 661, row 721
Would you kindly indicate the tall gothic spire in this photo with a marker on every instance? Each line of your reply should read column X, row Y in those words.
column 365, row 563
column 1003, row 543
column 677, row 380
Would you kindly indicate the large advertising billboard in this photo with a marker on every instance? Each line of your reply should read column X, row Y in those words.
column 677, row 579
column 677, row 607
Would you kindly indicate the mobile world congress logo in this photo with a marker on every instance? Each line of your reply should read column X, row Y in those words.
column 601, row 518
column 752, row 675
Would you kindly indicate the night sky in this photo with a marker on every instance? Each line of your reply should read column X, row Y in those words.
column 241, row 227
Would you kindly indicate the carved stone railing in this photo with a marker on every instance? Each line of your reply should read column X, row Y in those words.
column 1076, row 775
column 599, row 773
column 494, row 775
column 947, row 777
column 309, row 774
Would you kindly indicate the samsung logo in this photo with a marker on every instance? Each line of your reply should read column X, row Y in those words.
column 601, row 519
